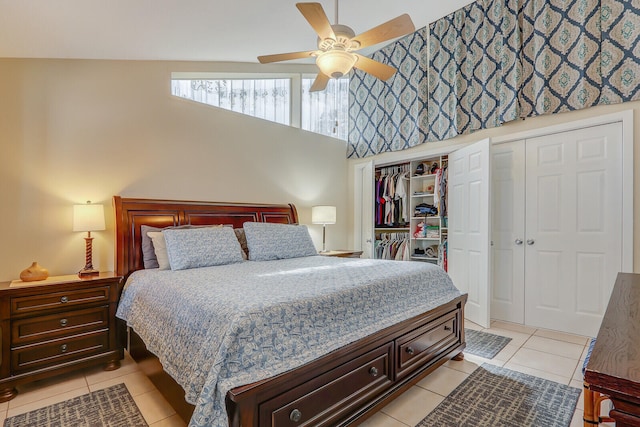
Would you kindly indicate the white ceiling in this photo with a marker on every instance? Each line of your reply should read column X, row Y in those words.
column 192, row 30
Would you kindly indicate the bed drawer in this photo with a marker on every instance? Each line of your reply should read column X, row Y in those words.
column 64, row 299
column 340, row 389
column 74, row 322
column 54, row 352
column 426, row 342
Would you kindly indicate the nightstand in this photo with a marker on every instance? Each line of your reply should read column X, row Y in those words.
column 57, row 325
column 340, row 253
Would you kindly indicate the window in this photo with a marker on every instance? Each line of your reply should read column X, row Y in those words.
column 281, row 99
column 263, row 98
column 326, row 112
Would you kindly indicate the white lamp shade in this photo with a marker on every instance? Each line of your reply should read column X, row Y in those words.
column 323, row 214
column 336, row 63
column 88, row 217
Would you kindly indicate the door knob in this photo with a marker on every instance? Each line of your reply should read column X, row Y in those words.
column 518, row 241
column 530, row 242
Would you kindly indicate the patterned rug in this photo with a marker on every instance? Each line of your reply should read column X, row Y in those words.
column 484, row 344
column 494, row 396
column 112, row 407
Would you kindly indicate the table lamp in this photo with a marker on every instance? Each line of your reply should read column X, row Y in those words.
column 88, row 217
column 323, row 215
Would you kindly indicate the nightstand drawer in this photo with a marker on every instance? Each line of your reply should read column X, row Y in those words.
column 51, row 353
column 55, row 300
column 73, row 322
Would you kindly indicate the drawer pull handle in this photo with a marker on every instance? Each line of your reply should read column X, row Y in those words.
column 63, row 322
column 447, row 328
column 295, row 415
column 373, row 371
column 63, row 348
column 64, row 300
column 410, row 350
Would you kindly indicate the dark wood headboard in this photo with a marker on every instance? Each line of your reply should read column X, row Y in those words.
column 130, row 214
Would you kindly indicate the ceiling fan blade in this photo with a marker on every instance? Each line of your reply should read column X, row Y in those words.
column 397, row 27
column 375, row 68
column 266, row 59
column 314, row 14
column 320, row 83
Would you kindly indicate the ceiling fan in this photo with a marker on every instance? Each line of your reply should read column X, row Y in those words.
column 337, row 44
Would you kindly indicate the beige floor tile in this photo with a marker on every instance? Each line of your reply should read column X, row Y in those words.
column 576, row 421
column 561, row 336
column 136, row 382
column 443, row 380
column 172, row 421
column 464, row 365
column 477, row 360
column 517, row 338
column 506, row 353
column 559, row 365
column 53, row 398
column 584, row 352
column 97, row 375
column 516, row 327
column 561, row 348
column 153, row 406
column 578, row 384
column 3, row 416
column 39, row 390
column 382, row 420
column 537, row 373
column 412, row 405
column 3, row 407
column 470, row 325
column 577, row 374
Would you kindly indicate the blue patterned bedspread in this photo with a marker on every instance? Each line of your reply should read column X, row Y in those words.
column 217, row 328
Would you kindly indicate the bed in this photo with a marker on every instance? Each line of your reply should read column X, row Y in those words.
column 331, row 372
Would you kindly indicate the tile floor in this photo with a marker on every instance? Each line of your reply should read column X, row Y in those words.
column 547, row 354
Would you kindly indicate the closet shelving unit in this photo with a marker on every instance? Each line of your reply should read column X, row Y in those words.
column 421, row 189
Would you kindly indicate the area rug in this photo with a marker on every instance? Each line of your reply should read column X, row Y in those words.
column 484, row 344
column 494, row 396
column 110, row 407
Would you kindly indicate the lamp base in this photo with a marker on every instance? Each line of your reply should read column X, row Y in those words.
column 85, row 272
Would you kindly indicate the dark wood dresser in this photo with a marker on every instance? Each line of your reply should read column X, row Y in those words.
column 614, row 365
column 57, row 325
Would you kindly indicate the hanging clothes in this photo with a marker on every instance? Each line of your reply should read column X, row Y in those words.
column 393, row 246
column 391, row 198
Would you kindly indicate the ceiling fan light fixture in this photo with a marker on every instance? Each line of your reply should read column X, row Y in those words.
column 336, row 63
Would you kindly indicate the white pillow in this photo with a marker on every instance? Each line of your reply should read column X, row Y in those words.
column 160, row 248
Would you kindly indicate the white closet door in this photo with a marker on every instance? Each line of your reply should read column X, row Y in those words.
column 507, row 231
column 574, row 227
column 469, row 213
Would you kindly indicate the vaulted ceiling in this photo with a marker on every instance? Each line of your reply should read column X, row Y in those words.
column 191, row 30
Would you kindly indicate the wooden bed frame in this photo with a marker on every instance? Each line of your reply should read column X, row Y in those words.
column 343, row 387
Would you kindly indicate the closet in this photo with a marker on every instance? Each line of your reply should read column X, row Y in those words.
column 542, row 244
column 410, row 211
column 557, row 228
column 536, row 226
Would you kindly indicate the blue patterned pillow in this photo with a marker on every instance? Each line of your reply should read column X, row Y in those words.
column 267, row 241
column 201, row 247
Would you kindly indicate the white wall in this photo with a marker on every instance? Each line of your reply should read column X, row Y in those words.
column 77, row 130
column 512, row 128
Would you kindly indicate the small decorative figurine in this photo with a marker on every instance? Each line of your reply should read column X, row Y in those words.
column 33, row 273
